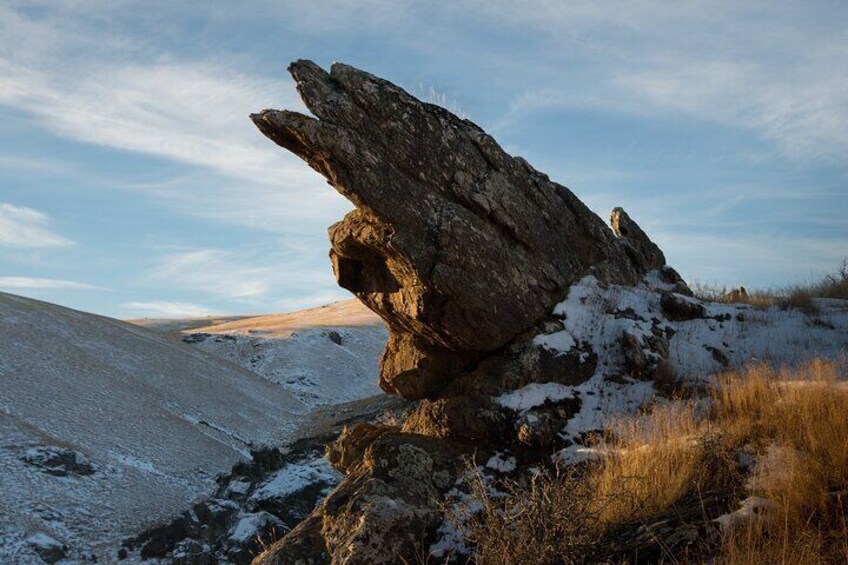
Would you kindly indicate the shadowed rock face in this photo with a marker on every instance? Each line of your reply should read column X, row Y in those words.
column 456, row 244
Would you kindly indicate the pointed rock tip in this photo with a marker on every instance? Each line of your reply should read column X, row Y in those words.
column 303, row 70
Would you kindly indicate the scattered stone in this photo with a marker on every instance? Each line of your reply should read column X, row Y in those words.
column 196, row 337
column 50, row 550
column 58, row 461
column 718, row 355
column 334, row 336
column 251, row 533
column 679, row 308
column 192, row 552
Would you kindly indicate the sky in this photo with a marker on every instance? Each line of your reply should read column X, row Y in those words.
column 132, row 182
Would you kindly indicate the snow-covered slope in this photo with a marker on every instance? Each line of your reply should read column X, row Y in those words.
column 325, row 355
column 153, row 418
column 603, row 319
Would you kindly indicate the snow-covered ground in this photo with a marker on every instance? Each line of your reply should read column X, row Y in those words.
column 597, row 317
column 598, row 320
column 107, row 428
column 325, row 355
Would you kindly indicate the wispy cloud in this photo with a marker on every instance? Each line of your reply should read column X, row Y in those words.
column 126, row 93
column 214, row 272
column 187, row 110
column 248, row 278
column 30, row 283
column 165, row 309
column 752, row 65
column 24, row 227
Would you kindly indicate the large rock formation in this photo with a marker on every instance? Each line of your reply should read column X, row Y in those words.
column 456, row 244
column 464, row 251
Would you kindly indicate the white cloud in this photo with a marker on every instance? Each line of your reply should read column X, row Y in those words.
column 214, row 272
column 754, row 65
column 24, row 227
column 254, row 277
column 125, row 93
column 30, row 283
column 193, row 113
column 165, row 309
column 121, row 96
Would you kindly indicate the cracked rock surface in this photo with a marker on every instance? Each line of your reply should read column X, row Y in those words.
column 456, row 244
column 464, row 251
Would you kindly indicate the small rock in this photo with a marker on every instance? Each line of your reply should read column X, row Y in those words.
column 59, row 461
column 679, row 308
column 718, row 356
column 334, row 336
column 196, row 337
column 735, row 295
column 49, row 549
column 191, row 552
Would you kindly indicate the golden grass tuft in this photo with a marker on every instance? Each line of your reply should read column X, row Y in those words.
column 653, row 460
column 794, row 420
column 799, row 297
column 549, row 520
column 798, row 423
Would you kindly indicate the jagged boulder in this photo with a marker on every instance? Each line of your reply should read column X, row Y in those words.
column 464, row 251
column 636, row 242
column 456, row 244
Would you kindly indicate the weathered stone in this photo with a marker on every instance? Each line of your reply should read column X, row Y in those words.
column 671, row 277
column 636, row 243
column 735, row 295
column 681, row 308
column 456, row 244
column 349, row 448
column 463, row 250
column 468, row 417
column 48, row 549
column 58, row 461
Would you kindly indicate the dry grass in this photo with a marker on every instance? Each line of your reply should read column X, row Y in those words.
column 795, row 421
column 654, row 460
column 798, row 423
column 800, row 297
column 797, row 297
column 550, row 520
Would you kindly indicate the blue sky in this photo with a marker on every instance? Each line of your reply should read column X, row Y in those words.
column 133, row 184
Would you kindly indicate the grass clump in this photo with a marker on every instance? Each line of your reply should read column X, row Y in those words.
column 799, row 297
column 792, row 422
column 550, row 520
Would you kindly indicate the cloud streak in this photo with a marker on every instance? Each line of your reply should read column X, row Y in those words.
column 166, row 309
column 31, row 283
column 247, row 276
column 752, row 65
column 23, row 227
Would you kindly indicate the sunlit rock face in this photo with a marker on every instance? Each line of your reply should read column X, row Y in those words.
column 456, row 244
column 464, row 251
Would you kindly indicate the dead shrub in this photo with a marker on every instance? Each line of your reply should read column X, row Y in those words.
column 550, row 519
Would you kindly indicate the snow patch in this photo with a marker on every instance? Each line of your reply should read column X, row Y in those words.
column 535, row 394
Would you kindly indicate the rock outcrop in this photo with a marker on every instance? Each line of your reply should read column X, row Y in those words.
column 464, row 251
column 456, row 244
